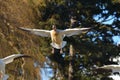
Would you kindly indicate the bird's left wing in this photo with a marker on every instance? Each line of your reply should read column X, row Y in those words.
column 110, row 66
column 39, row 32
column 74, row 31
column 11, row 58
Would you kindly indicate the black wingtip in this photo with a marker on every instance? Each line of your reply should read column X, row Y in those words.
column 23, row 56
column 19, row 27
column 93, row 27
column 24, row 29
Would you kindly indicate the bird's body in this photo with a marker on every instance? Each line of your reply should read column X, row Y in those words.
column 8, row 60
column 56, row 35
column 56, row 38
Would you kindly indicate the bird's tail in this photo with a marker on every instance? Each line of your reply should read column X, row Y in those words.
column 5, row 77
column 54, row 45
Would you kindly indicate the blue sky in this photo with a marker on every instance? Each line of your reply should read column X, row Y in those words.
column 110, row 19
column 46, row 72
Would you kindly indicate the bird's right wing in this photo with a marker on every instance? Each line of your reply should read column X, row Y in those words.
column 11, row 58
column 39, row 32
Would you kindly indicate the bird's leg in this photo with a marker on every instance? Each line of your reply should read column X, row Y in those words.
column 53, row 51
column 61, row 51
column 1, row 75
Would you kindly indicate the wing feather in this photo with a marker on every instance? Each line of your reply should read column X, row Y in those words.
column 39, row 32
column 110, row 66
column 11, row 58
column 74, row 31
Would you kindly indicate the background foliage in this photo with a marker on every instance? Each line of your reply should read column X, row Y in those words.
column 91, row 49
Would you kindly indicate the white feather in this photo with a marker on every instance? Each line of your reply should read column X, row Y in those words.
column 61, row 33
column 10, row 58
column 59, row 46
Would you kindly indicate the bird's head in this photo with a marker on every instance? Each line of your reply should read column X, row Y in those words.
column 54, row 27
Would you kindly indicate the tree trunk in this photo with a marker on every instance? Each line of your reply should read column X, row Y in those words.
column 70, row 64
column 23, row 71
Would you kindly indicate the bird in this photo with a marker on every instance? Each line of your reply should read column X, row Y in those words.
column 56, row 35
column 114, row 68
column 7, row 60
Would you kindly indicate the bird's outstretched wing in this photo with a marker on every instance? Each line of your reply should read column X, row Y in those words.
column 39, row 32
column 74, row 31
column 11, row 58
column 110, row 67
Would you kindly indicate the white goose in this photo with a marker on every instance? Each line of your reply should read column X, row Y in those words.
column 115, row 68
column 56, row 35
column 8, row 60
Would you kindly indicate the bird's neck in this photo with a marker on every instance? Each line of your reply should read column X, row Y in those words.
column 54, row 29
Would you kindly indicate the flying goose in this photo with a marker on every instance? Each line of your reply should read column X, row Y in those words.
column 56, row 35
column 115, row 68
column 8, row 60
